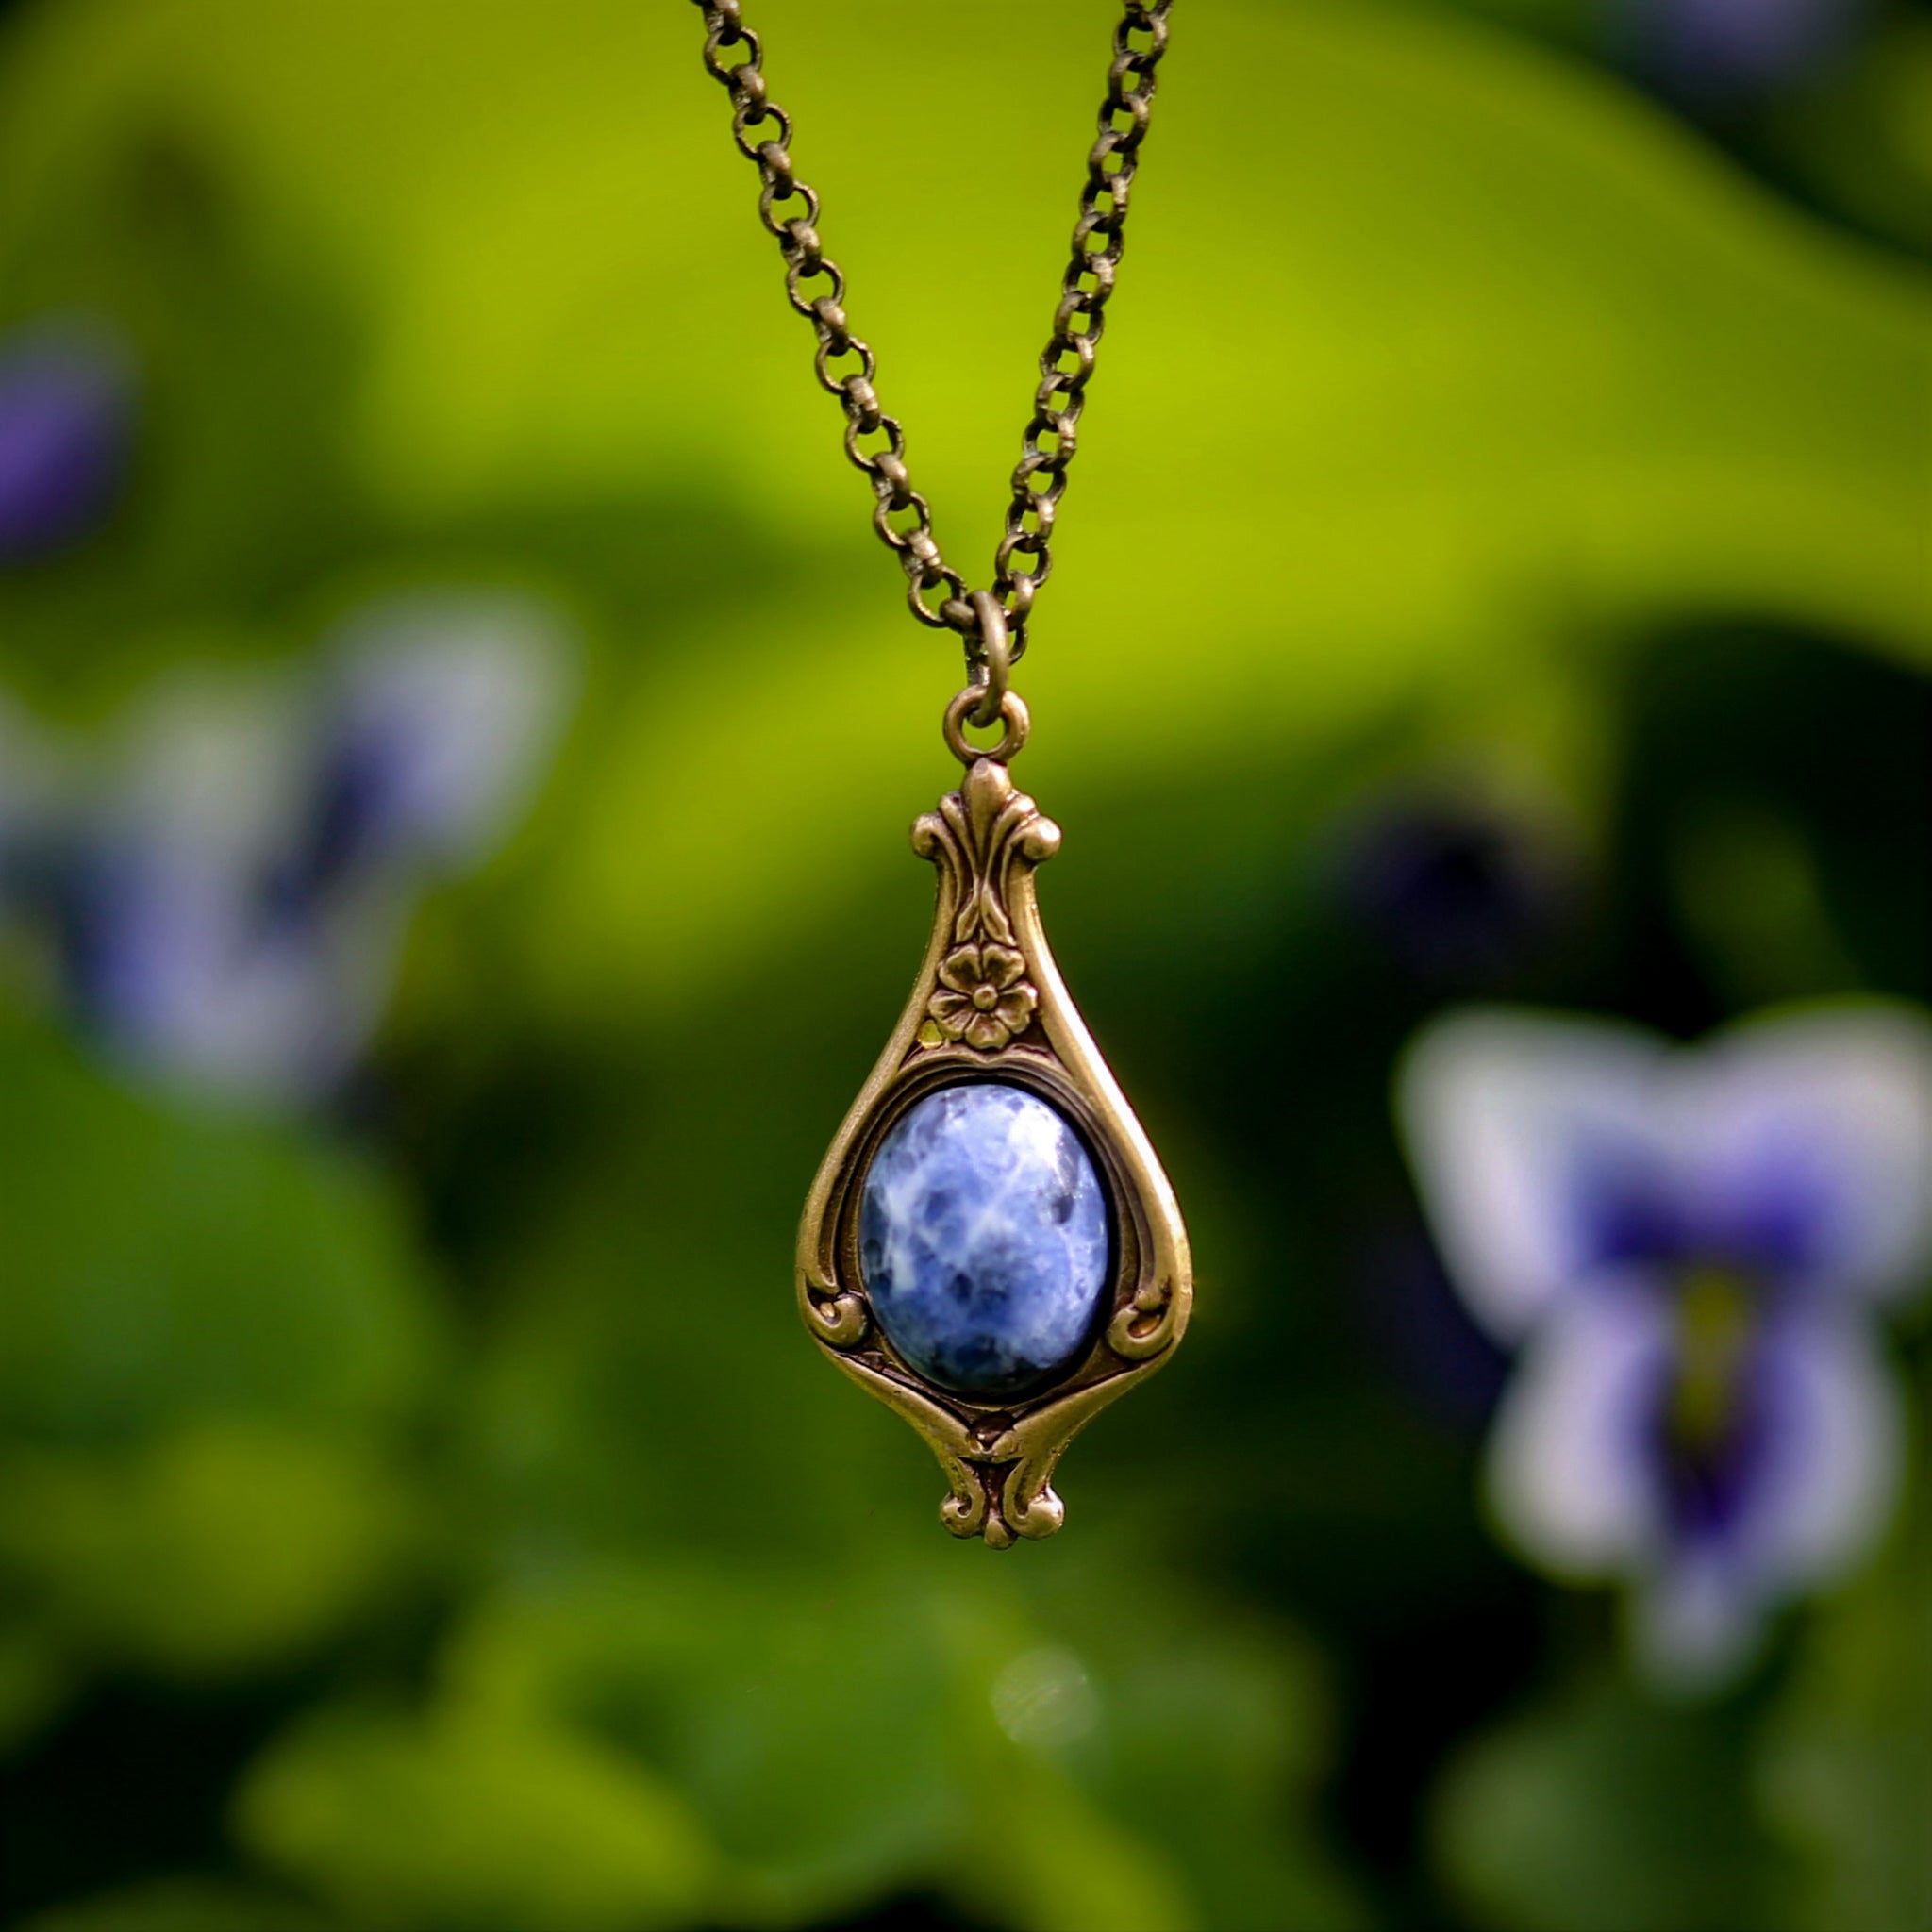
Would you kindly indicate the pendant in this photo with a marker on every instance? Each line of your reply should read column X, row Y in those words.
column 991, row 1246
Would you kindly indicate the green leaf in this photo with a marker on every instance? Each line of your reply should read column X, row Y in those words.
column 460, row 1817
column 205, row 1551
column 163, row 1266
column 209, row 1332
column 35, row 1678
column 1603, row 1811
column 746, row 1693
column 182, row 1904
column 961, row 1731
column 1219, row 1732
column 1047, row 1858
column 1846, row 1770
column 1171, row 1754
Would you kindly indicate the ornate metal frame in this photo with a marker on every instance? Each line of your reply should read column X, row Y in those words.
column 990, row 1004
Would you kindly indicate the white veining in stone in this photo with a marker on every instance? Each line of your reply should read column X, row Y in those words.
column 984, row 1239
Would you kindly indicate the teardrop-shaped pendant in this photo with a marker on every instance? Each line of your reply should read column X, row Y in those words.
column 991, row 1246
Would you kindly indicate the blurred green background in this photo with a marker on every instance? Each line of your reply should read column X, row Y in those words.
column 1496, row 567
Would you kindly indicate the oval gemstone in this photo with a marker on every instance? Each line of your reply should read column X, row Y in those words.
column 983, row 1238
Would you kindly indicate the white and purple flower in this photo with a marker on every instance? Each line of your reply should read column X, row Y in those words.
column 228, row 898
column 1686, row 1247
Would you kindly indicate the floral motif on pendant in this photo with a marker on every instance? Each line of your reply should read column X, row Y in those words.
column 983, row 997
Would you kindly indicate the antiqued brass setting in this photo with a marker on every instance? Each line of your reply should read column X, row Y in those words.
column 990, row 1004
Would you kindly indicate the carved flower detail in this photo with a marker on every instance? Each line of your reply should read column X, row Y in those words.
column 983, row 998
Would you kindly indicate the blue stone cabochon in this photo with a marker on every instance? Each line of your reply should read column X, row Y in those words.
column 985, row 1240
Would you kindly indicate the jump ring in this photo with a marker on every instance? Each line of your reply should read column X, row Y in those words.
column 992, row 666
column 1012, row 710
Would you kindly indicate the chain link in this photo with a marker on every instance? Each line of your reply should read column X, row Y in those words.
column 874, row 441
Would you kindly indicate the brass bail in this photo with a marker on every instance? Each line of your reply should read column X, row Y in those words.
column 992, row 663
column 988, row 699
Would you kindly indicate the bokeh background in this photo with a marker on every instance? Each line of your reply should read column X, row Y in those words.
column 457, row 736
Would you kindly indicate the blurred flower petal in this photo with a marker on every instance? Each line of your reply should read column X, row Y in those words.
column 1503, row 1112
column 163, row 960
column 1568, row 1474
column 447, row 708
column 1832, row 1456
column 1696, row 1624
column 1813, row 1135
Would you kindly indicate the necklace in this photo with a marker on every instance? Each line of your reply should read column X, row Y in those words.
column 990, row 1247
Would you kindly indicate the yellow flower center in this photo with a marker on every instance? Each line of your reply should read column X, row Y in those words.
column 1714, row 1326
column 986, row 997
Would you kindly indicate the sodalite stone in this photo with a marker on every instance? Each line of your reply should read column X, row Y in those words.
column 983, row 1238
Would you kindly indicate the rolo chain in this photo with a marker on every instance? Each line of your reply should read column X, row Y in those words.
column 993, row 624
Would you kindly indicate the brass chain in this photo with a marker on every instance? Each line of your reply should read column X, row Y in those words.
column 762, row 129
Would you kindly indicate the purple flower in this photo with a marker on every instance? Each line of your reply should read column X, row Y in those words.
column 1705, row 51
column 64, row 421
column 1684, row 1247
column 1455, row 890
column 231, row 904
